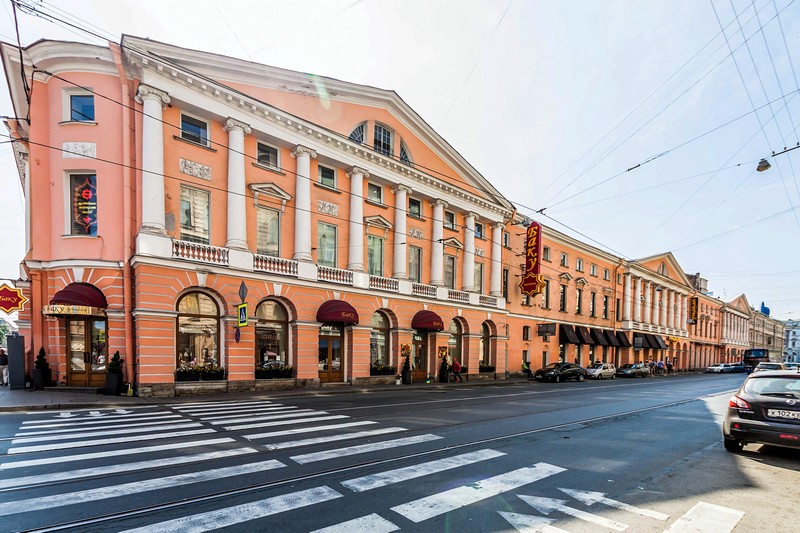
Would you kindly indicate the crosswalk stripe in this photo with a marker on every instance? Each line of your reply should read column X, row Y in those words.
column 272, row 416
column 37, row 424
column 246, row 512
column 245, row 412
column 372, row 523
column 362, row 448
column 80, row 435
column 398, row 475
column 424, row 508
column 113, row 453
column 308, row 430
column 707, row 518
column 285, row 422
column 136, row 487
column 102, row 442
column 220, row 405
column 83, row 473
column 123, row 425
column 526, row 523
column 332, row 438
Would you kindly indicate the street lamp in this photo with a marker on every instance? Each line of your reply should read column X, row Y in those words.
column 763, row 165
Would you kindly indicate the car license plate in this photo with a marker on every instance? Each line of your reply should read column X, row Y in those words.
column 783, row 413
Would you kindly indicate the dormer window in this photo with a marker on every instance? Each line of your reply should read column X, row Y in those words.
column 358, row 134
column 383, row 140
column 405, row 157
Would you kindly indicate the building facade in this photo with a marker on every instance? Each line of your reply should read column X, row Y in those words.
column 791, row 346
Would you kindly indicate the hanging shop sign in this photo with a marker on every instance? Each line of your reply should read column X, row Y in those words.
column 532, row 281
column 11, row 299
column 693, row 310
column 84, row 205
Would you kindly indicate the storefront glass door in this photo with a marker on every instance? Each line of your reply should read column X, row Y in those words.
column 86, row 346
column 419, row 356
column 331, row 364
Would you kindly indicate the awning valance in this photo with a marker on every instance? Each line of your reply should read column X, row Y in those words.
column 613, row 340
column 428, row 321
column 583, row 335
column 77, row 299
column 567, row 335
column 337, row 312
column 660, row 344
column 600, row 338
column 623, row 339
column 640, row 340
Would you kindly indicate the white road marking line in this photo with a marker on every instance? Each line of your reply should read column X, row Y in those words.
column 363, row 448
column 113, row 453
column 285, row 422
column 398, row 475
column 35, row 424
column 136, row 487
column 372, row 523
column 218, row 421
column 238, row 514
column 247, row 412
column 706, row 518
column 589, row 498
column 548, row 505
column 80, row 435
column 65, row 432
column 420, row 510
column 102, row 442
column 332, row 438
column 525, row 523
column 308, row 430
column 40, row 479
column 196, row 408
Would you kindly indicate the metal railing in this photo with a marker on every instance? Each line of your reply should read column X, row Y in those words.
column 199, row 252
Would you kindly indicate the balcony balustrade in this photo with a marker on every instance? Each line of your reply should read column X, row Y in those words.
column 384, row 284
column 335, row 275
column 199, row 252
column 428, row 291
column 487, row 300
column 458, row 296
column 275, row 265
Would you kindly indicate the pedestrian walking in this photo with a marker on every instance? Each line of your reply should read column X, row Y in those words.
column 444, row 371
column 669, row 367
column 660, row 367
column 4, row 366
column 527, row 369
column 457, row 371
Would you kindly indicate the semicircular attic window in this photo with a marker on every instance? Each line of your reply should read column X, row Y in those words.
column 405, row 156
column 357, row 135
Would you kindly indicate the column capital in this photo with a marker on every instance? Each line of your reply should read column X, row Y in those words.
column 499, row 225
column 355, row 170
column 402, row 188
column 471, row 214
column 439, row 202
column 145, row 92
column 302, row 150
column 234, row 124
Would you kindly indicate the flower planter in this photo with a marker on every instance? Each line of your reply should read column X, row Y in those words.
column 183, row 376
column 113, row 384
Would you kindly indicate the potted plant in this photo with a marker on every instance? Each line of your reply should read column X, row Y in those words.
column 114, row 376
column 41, row 371
column 212, row 373
column 188, row 373
column 274, row 371
column 405, row 351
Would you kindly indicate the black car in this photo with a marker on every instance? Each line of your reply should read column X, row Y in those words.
column 632, row 370
column 765, row 410
column 560, row 372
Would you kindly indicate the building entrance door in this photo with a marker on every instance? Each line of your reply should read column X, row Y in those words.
column 331, row 358
column 419, row 356
column 87, row 351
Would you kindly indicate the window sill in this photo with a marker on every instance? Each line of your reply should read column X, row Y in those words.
column 268, row 168
column 416, row 217
column 78, row 122
column 376, row 204
column 325, row 187
column 70, row 236
column 480, row 237
column 451, row 229
column 187, row 141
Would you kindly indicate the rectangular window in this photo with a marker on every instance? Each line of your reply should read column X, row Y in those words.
column 579, row 265
column 450, row 271
column 383, row 140
column 415, row 264
column 268, row 230
column 605, row 306
column 546, row 295
column 327, row 177
column 506, row 240
column 593, row 270
column 579, row 301
column 592, row 299
column 81, row 108
column 479, row 230
column 195, row 213
column 606, row 274
column 83, row 212
column 374, row 193
column 326, row 244
column 415, row 208
column 526, row 333
column 525, row 357
column 546, row 253
column 194, row 130
column 616, row 310
column 449, row 220
column 374, row 256
column 505, row 284
column 619, row 278
column 562, row 304
column 267, row 155
column 478, row 287
column 564, row 260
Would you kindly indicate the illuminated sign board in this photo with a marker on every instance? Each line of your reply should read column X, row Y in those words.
column 532, row 281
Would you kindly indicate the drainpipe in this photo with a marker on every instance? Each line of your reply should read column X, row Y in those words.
column 126, row 211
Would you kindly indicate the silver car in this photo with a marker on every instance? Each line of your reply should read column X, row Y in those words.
column 601, row 370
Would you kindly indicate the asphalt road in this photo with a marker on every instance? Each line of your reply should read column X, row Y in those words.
column 623, row 455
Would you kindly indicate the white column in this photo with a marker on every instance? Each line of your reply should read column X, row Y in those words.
column 355, row 254
column 626, row 297
column 671, row 309
column 153, row 100
column 662, row 319
column 637, row 301
column 302, row 198
column 684, row 312
column 400, row 270
column 647, row 302
column 496, row 287
column 437, row 246
column 237, row 218
column 469, row 252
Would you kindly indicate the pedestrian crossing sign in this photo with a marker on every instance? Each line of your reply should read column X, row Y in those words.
column 242, row 308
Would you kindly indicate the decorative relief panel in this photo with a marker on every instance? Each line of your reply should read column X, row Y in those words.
column 327, row 208
column 479, row 252
column 416, row 233
column 195, row 169
column 75, row 150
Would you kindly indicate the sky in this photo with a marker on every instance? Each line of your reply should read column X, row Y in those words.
column 636, row 126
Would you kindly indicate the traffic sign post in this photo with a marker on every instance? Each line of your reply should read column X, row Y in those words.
column 242, row 310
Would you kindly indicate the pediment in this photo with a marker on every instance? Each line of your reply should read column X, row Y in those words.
column 269, row 190
column 580, row 281
column 377, row 221
column 565, row 276
column 665, row 265
column 453, row 243
column 740, row 303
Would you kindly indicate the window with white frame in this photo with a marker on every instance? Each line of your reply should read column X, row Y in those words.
column 415, row 208
column 267, row 155
column 194, row 130
column 83, row 204
column 546, row 295
column 405, row 155
column 375, row 193
column 358, row 133
column 383, row 140
column 195, row 215
column 605, row 306
column 562, row 304
column 449, row 220
column 606, row 274
column 415, row 264
column 327, row 176
column 578, row 301
column 546, row 253
column 81, row 107
column 479, row 230
column 593, row 270
column 506, row 239
column 268, row 230
column 374, row 255
column 526, row 333
column 579, row 264
column 326, row 244
column 450, row 271
column 478, row 286
column 592, row 299
column 564, row 260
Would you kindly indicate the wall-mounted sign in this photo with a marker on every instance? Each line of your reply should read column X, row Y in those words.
column 693, row 310
column 532, row 281
column 242, row 310
column 11, row 299
column 84, row 204
column 67, row 310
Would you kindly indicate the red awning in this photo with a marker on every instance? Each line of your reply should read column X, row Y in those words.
column 337, row 312
column 427, row 320
column 583, row 335
column 567, row 335
column 82, row 294
column 623, row 339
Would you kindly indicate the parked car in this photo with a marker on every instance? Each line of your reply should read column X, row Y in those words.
column 632, row 370
column 721, row 368
column 769, row 366
column 737, row 367
column 600, row 370
column 561, row 372
column 765, row 410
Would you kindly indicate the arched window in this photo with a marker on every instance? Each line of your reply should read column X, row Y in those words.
column 198, row 331
column 454, row 341
column 486, row 358
column 405, row 155
column 383, row 140
column 358, row 133
column 526, row 333
column 272, row 334
column 379, row 339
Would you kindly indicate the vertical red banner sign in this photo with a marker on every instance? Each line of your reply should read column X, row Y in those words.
column 532, row 281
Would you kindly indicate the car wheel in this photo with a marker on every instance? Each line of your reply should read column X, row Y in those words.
column 613, row 376
column 557, row 379
column 733, row 445
column 600, row 376
column 580, row 377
